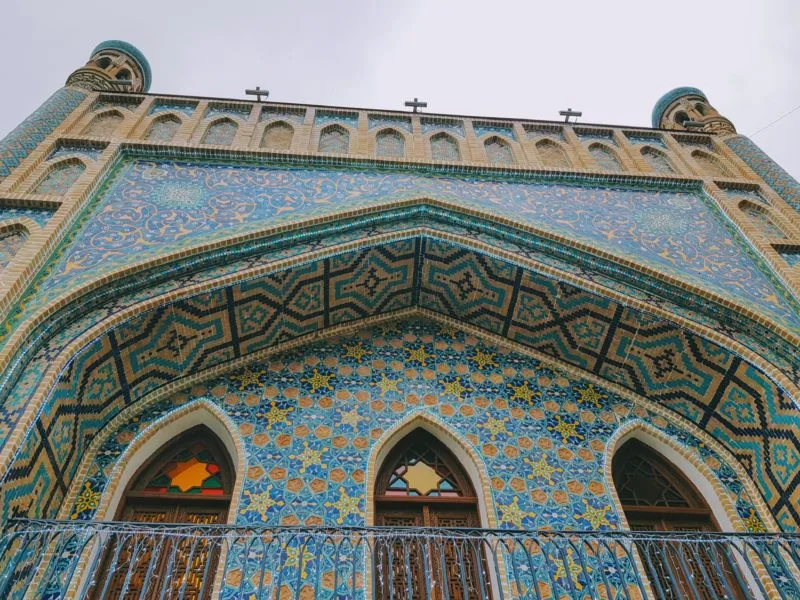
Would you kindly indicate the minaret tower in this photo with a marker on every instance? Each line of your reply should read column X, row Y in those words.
column 112, row 63
column 687, row 109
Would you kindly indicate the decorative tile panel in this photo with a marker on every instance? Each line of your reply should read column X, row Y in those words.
column 39, row 215
column 381, row 121
column 233, row 111
column 220, row 133
column 766, row 168
column 163, row 129
column 646, row 139
column 390, row 144
column 334, row 138
column 104, row 124
column 483, row 128
column 324, row 117
column 498, row 152
column 60, row 178
column 453, row 126
column 173, row 106
column 10, row 243
column 540, row 130
column 762, row 222
column 24, row 138
column 295, row 115
column 588, row 135
column 92, row 152
column 444, row 147
column 791, row 254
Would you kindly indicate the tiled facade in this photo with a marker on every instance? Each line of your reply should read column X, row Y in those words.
column 301, row 269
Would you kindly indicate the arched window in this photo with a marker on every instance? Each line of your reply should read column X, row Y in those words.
column 444, row 147
column 220, row 133
column 103, row 62
column 123, row 75
column 277, row 136
column 163, row 129
column 60, row 178
column 655, row 496
column 498, row 152
column 334, row 138
column 681, row 117
column 552, row 155
column 104, row 125
column 421, row 484
column 709, row 164
column 188, row 480
column 390, row 143
column 10, row 243
column 605, row 158
column 762, row 221
column 657, row 160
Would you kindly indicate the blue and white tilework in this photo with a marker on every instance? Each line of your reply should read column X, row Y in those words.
column 326, row 117
column 284, row 113
column 381, row 121
column 39, row 215
column 455, row 127
column 483, row 128
column 181, row 108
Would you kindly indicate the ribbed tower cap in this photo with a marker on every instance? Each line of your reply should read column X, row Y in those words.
column 131, row 51
column 670, row 97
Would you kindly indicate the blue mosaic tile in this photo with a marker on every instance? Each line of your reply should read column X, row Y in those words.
column 239, row 112
column 744, row 193
column 483, row 128
column 587, row 136
column 90, row 152
column 22, row 140
column 538, row 131
column 453, row 126
column 790, row 254
column 403, row 123
column 639, row 138
column 174, row 106
column 39, row 215
column 326, row 117
column 776, row 177
column 286, row 113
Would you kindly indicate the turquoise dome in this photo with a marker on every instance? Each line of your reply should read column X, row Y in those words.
column 669, row 98
column 131, row 51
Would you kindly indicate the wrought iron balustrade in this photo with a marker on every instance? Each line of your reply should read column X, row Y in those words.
column 56, row 559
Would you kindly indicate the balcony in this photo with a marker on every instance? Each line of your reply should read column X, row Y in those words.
column 56, row 559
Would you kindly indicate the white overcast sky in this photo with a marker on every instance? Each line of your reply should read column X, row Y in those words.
column 612, row 59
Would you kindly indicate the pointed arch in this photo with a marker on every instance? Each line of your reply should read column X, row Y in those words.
column 445, row 147
column 334, row 139
column 761, row 220
column 470, row 460
column 657, row 160
column 104, row 124
column 163, row 128
column 390, row 143
column 498, row 151
column 277, row 136
column 710, row 164
column 605, row 157
column 12, row 237
column 220, row 132
column 146, row 444
column 60, row 177
column 552, row 155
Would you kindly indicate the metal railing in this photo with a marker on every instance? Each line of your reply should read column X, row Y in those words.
column 57, row 559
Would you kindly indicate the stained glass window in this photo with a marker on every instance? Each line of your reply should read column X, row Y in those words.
column 390, row 144
column 760, row 219
column 163, row 129
column 657, row 161
column 104, row 125
column 444, row 147
column 10, row 243
column 60, row 178
column 220, row 133
column 334, row 139
column 498, row 152
column 277, row 136
column 424, row 468
column 192, row 470
column 709, row 164
column 552, row 155
column 605, row 158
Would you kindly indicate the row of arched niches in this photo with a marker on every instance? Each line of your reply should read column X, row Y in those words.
column 255, row 127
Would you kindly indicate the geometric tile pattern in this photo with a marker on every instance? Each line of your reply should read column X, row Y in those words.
column 323, row 117
column 498, row 151
column 60, row 178
column 504, row 129
column 18, row 144
column 403, row 123
column 430, row 125
column 310, row 420
column 145, row 211
column 390, row 144
column 10, row 243
column 220, row 133
column 40, row 216
column 444, row 147
column 696, row 378
column 778, row 179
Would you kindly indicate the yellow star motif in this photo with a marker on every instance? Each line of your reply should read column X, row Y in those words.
column 356, row 351
column 276, row 415
column 541, row 468
column 454, row 387
column 87, row 500
column 293, row 558
column 753, row 522
column 248, row 377
column 589, row 395
column 574, row 570
column 309, row 457
column 447, row 330
column 495, row 426
column 261, row 503
column 387, row 385
column 351, row 417
column 345, row 505
column 484, row 359
column 512, row 513
column 523, row 392
column 566, row 429
column 318, row 381
column 597, row 517
column 418, row 355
